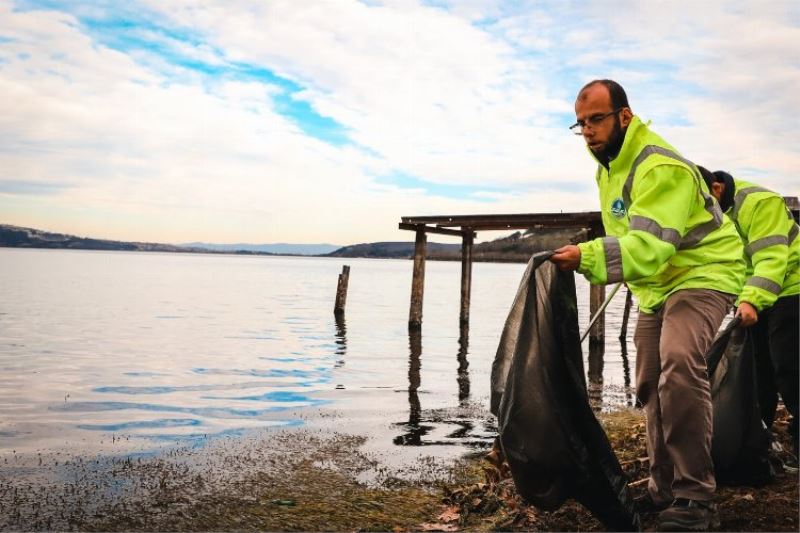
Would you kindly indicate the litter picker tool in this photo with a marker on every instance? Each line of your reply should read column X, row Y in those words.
column 602, row 308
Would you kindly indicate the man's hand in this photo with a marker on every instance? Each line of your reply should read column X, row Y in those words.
column 567, row 257
column 748, row 314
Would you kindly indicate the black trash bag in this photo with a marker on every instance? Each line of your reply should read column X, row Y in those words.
column 740, row 443
column 555, row 447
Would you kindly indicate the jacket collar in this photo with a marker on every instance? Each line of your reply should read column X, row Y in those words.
column 627, row 154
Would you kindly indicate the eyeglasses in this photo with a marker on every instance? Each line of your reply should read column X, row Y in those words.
column 592, row 121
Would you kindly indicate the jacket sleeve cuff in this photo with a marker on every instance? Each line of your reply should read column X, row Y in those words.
column 760, row 299
column 588, row 259
column 748, row 299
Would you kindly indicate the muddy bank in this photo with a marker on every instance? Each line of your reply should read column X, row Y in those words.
column 322, row 481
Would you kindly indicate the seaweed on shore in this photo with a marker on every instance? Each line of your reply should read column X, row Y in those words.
column 302, row 481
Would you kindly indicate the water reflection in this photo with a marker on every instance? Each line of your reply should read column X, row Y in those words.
column 595, row 391
column 414, row 365
column 341, row 340
column 445, row 426
column 413, row 437
column 626, row 370
column 597, row 349
column 596, row 362
column 623, row 349
column 463, row 364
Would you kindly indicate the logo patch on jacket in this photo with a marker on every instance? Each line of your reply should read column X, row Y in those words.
column 618, row 208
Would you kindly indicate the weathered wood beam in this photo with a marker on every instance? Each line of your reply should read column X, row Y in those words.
column 502, row 221
column 341, row 291
column 466, row 277
column 595, row 230
column 417, row 282
column 431, row 229
column 524, row 226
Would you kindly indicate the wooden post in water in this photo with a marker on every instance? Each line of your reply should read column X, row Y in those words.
column 417, row 282
column 597, row 343
column 341, row 291
column 466, row 276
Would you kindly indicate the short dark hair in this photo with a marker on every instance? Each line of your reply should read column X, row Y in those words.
column 618, row 97
column 712, row 177
column 708, row 176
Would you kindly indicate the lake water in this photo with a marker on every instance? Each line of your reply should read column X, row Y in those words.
column 123, row 351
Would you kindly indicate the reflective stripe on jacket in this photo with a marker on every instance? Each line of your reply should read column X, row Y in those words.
column 665, row 232
column 771, row 250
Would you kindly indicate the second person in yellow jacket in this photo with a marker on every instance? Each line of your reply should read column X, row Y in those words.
column 770, row 298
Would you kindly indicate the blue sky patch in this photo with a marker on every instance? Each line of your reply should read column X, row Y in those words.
column 31, row 188
column 309, row 121
column 404, row 180
column 472, row 192
column 135, row 32
column 747, row 172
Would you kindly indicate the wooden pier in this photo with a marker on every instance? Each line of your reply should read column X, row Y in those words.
column 467, row 226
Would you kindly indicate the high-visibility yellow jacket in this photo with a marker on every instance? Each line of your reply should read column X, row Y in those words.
column 664, row 231
column 772, row 249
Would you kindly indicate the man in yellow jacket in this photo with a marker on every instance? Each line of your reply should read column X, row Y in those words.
column 770, row 298
column 667, row 239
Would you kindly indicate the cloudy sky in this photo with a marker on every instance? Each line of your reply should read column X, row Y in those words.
column 325, row 121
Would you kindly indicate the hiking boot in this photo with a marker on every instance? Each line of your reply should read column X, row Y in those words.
column 689, row 515
column 645, row 504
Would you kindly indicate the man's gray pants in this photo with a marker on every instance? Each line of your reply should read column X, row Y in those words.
column 672, row 385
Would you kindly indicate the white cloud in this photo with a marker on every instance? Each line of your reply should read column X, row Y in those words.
column 156, row 149
column 425, row 89
column 476, row 94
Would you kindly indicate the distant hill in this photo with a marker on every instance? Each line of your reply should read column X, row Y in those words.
column 15, row 236
column 517, row 247
column 276, row 248
column 19, row 237
column 398, row 250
